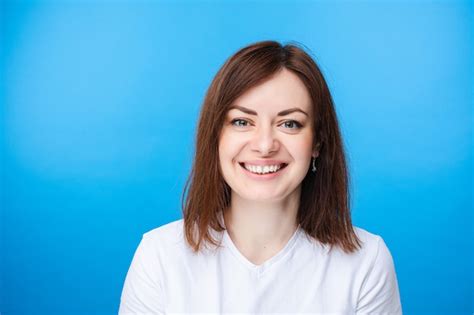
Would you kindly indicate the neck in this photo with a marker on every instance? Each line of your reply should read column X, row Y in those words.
column 256, row 227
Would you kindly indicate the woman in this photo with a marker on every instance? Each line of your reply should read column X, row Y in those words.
column 266, row 225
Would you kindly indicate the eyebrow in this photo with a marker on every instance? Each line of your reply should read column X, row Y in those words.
column 282, row 113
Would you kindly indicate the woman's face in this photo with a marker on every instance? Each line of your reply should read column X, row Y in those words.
column 266, row 143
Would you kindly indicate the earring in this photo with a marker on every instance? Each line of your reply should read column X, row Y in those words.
column 314, row 165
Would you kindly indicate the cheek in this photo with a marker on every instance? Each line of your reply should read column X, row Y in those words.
column 229, row 147
column 301, row 149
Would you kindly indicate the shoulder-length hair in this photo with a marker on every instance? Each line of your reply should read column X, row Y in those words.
column 324, row 203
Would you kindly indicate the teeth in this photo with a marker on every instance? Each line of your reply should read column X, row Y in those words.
column 258, row 169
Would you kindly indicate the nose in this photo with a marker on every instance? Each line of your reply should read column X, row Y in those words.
column 264, row 141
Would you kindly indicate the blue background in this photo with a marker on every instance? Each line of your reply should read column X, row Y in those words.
column 99, row 104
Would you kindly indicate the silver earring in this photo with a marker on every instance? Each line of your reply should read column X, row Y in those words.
column 314, row 165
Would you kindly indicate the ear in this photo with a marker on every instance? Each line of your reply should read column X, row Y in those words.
column 316, row 149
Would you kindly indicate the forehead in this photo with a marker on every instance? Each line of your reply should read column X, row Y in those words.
column 282, row 91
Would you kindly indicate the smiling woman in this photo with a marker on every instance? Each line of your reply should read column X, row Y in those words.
column 266, row 207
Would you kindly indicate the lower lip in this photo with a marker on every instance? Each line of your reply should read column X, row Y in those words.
column 268, row 176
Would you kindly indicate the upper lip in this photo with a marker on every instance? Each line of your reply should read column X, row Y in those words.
column 263, row 162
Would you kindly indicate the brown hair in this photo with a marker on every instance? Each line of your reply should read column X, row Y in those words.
column 324, row 203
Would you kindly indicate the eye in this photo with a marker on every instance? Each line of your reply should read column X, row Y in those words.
column 292, row 124
column 239, row 122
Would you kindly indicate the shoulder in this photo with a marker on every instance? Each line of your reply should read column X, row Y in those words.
column 144, row 287
column 366, row 236
column 165, row 230
column 369, row 241
column 374, row 250
column 162, row 246
column 168, row 234
column 379, row 291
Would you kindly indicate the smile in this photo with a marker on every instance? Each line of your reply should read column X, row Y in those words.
column 263, row 169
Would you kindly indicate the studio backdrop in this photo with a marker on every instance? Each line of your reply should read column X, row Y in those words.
column 99, row 103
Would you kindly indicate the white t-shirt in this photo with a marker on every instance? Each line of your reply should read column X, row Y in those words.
column 166, row 277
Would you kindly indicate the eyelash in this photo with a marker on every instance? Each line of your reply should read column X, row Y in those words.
column 294, row 122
